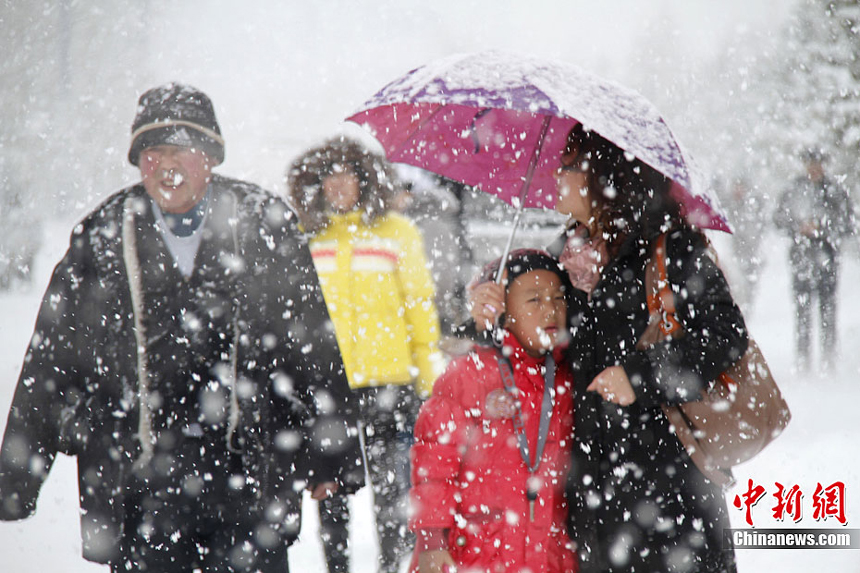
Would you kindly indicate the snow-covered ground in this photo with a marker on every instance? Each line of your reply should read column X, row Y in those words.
column 819, row 446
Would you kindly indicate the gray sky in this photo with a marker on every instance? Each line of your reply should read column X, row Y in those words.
column 283, row 75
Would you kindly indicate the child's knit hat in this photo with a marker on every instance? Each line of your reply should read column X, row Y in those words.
column 521, row 261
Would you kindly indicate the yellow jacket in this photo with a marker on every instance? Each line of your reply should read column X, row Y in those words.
column 379, row 294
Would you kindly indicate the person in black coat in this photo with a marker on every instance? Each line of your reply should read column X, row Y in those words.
column 637, row 501
column 817, row 214
column 183, row 353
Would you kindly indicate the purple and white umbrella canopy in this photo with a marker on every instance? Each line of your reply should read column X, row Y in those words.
column 499, row 122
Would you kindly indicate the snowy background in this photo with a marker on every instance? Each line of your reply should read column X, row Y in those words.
column 735, row 80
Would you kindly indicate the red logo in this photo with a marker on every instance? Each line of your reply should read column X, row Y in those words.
column 827, row 502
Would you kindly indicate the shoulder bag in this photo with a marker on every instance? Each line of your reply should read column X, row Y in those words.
column 738, row 415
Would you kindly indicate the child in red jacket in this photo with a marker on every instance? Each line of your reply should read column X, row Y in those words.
column 492, row 448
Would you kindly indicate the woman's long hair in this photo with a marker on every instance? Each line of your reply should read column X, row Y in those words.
column 628, row 196
column 341, row 154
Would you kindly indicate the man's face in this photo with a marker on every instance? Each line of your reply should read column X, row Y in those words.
column 175, row 177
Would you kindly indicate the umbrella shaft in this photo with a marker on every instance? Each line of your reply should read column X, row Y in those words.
column 508, row 246
column 526, row 184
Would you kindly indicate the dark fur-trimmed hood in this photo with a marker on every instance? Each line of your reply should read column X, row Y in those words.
column 306, row 174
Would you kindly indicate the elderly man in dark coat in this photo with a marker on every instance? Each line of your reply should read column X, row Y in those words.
column 184, row 354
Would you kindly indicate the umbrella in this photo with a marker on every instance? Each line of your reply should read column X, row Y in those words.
column 499, row 122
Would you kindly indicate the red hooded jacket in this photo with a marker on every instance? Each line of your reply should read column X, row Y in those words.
column 469, row 478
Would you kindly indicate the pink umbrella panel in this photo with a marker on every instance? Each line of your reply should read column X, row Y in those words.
column 498, row 122
column 493, row 154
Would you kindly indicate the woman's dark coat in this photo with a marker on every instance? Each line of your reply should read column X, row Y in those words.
column 253, row 298
column 637, row 501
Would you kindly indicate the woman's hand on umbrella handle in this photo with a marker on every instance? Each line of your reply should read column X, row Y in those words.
column 614, row 386
column 486, row 304
column 436, row 561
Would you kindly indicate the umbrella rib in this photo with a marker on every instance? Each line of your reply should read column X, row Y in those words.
column 417, row 130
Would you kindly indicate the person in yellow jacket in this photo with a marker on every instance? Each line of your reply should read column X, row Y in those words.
column 379, row 292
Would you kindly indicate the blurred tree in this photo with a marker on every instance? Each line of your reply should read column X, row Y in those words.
column 65, row 94
column 21, row 236
column 818, row 83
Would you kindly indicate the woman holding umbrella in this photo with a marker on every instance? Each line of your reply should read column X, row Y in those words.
column 638, row 503
column 500, row 122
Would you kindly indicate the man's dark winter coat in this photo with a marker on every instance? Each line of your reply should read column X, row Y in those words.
column 824, row 204
column 240, row 354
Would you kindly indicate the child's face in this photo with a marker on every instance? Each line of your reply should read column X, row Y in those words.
column 536, row 311
column 341, row 191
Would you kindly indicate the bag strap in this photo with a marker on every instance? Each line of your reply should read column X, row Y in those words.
column 661, row 300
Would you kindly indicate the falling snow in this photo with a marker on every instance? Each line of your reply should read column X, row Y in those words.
column 73, row 72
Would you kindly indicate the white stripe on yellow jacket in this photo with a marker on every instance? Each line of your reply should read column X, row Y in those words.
column 380, row 296
column 371, row 255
